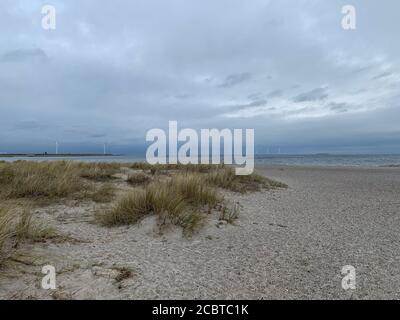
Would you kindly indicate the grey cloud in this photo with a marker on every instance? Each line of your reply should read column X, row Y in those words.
column 313, row 95
column 122, row 68
column 382, row 75
column 98, row 135
column 362, row 69
column 275, row 93
column 24, row 55
column 300, row 111
column 339, row 107
column 184, row 96
column 254, row 104
column 255, row 96
column 258, row 103
column 235, row 79
column 30, row 125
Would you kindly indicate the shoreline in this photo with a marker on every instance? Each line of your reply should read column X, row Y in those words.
column 42, row 155
column 306, row 161
column 256, row 166
column 324, row 167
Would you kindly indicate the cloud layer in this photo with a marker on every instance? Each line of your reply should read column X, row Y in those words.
column 113, row 70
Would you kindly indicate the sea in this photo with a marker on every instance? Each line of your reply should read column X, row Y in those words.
column 360, row 160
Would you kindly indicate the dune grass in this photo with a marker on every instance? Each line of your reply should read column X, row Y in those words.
column 177, row 194
column 6, row 230
column 17, row 225
column 102, row 193
column 23, row 179
column 128, row 210
column 138, row 178
column 220, row 176
column 97, row 171
column 161, row 168
column 38, row 179
column 26, row 229
column 194, row 189
column 226, row 178
column 178, row 200
column 184, row 197
column 229, row 215
column 54, row 180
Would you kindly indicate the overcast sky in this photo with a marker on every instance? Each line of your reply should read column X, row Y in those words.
column 114, row 69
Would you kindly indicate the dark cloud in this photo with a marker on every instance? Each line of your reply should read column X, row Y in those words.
column 316, row 94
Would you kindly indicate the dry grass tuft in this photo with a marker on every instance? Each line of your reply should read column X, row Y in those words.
column 38, row 179
column 128, row 210
column 16, row 225
column 6, row 230
column 227, row 179
column 182, row 199
column 98, row 171
column 229, row 215
column 27, row 230
column 194, row 189
column 190, row 221
column 139, row 178
column 175, row 201
column 54, row 180
column 102, row 194
column 160, row 168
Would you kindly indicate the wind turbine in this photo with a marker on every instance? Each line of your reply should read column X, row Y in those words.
column 56, row 147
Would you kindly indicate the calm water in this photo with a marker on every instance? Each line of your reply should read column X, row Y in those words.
column 297, row 160
column 330, row 160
